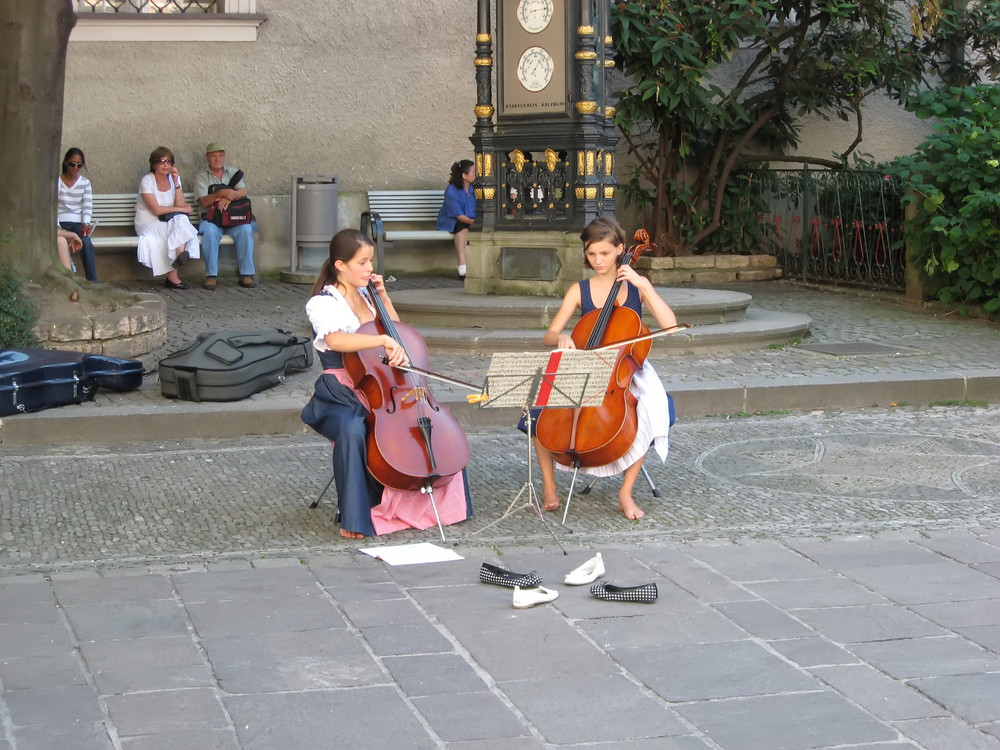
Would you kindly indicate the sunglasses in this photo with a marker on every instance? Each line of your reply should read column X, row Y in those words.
column 165, row 161
column 74, row 164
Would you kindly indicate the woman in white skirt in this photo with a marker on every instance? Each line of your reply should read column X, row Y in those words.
column 162, row 220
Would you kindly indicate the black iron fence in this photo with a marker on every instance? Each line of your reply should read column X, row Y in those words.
column 146, row 6
column 833, row 226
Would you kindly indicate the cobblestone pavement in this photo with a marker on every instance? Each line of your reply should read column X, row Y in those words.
column 823, row 473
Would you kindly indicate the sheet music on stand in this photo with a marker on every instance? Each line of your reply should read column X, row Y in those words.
column 563, row 378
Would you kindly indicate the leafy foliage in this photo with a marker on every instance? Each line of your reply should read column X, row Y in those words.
column 17, row 313
column 714, row 86
column 954, row 179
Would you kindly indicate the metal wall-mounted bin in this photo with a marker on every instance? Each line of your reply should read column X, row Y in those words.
column 314, row 220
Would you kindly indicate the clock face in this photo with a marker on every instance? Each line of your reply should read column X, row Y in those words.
column 535, row 68
column 534, row 15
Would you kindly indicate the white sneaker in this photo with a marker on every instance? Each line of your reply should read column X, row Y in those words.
column 589, row 572
column 524, row 598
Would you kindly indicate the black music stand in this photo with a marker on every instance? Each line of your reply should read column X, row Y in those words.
column 565, row 378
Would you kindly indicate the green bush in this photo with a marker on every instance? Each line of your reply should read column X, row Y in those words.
column 954, row 180
column 17, row 312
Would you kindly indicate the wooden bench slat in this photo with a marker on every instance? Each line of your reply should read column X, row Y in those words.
column 401, row 206
column 118, row 210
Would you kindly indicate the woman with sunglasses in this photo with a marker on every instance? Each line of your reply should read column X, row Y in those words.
column 161, row 220
column 75, row 198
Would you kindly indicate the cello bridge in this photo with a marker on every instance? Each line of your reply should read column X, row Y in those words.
column 415, row 394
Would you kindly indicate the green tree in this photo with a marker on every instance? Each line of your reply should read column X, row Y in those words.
column 34, row 35
column 954, row 179
column 715, row 86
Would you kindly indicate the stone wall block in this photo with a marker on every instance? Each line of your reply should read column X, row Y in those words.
column 671, row 277
column 126, row 347
column 87, row 347
column 732, row 261
column 697, row 261
column 764, row 261
column 112, row 325
column 648, row 263
column 763, row 274
column 68, row 329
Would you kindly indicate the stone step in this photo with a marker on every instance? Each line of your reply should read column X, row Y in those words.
column 442, row 307
column 759, row 329
column 721, row 321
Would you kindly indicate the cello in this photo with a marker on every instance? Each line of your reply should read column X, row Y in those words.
column 414, row 443
column 600, row 435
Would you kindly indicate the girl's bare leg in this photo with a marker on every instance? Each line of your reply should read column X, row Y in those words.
column 625, row 502
column 547, row 468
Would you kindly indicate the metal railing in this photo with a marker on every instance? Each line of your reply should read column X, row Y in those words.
column 834, row 226
column 148, row 6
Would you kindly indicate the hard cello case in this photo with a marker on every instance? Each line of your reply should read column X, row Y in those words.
column 230, row 365
column 35, row 379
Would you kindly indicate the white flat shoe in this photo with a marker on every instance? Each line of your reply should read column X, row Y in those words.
column 524, row 598
column 589, row 572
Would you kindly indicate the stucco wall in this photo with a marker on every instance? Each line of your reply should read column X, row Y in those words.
column 380, row 95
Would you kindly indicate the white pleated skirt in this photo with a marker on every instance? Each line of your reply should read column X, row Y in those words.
column 159, row 243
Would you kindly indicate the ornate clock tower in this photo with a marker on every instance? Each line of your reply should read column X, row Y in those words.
column 544, row 146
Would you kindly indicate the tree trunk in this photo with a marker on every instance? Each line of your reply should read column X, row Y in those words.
column 34, row 35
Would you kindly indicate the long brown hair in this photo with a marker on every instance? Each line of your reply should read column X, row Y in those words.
column 69, row 155
column 345, row 245
column 458, row 169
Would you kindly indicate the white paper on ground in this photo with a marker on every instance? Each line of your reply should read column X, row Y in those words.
column 410, row 554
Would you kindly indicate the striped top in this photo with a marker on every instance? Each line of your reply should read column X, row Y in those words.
column 76, row 203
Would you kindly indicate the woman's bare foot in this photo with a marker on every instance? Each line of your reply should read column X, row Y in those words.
column 627, row 506
column 351, row 534
column 551, row 503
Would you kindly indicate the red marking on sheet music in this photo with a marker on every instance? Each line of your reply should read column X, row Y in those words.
column 545, row 388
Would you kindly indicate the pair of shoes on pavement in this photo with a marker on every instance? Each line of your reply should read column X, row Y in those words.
column 528, row 590
column 212, row 283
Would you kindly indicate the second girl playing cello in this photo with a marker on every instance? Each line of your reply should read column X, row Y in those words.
column 339, row 305
column 603, row 246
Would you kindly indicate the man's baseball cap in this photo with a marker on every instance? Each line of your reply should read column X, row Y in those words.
column 214, row 146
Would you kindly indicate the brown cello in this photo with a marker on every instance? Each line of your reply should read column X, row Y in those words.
column 600, row 435
column 414, row 443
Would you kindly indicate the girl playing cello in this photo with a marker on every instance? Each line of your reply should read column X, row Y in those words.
column 339, row 305
column 603, row 246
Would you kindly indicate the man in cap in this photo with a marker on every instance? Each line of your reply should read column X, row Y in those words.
column 217, row 173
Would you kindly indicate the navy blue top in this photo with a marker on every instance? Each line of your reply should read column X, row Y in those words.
column 633, row 300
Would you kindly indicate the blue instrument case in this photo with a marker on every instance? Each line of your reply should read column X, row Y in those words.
column 36, row 379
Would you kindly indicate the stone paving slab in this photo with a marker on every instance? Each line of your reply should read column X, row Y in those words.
column 500, row 674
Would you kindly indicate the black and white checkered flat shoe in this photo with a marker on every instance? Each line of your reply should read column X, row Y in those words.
column 500, row 577
column 646, row 593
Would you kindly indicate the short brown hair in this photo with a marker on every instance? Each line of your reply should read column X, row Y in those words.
column 158, row 153
column 600, row 229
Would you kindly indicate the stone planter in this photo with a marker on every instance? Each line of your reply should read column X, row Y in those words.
column 136, row 331
column 701, row 270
